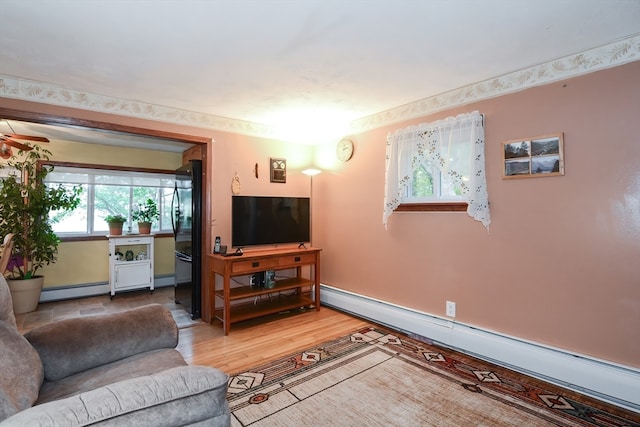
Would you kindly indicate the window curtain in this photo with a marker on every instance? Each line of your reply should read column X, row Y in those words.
column 455, row 146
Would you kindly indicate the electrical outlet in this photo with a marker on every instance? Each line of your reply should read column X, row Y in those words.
column 451, row 309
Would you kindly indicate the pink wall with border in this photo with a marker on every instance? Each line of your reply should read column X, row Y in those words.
column 560, row 264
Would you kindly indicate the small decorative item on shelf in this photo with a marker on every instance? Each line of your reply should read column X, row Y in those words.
column 145, row 214
column 115, row 223
column 270, row 279
column 129, row 255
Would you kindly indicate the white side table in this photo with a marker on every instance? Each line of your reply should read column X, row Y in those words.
column 130, row 262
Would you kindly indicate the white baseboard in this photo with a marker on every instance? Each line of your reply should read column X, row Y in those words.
column 91, row 289
column 610, row 382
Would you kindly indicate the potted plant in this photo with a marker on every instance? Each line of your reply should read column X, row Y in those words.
column 25, row 203
column 115, row 223
column 145, row 213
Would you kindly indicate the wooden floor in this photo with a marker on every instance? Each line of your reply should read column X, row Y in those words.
column 249, row 343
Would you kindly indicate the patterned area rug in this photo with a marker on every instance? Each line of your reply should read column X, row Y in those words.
column 376, row 377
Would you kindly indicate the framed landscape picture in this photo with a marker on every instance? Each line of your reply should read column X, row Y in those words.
column 532, row 158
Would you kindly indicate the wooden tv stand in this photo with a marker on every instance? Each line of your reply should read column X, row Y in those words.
column 287, row 293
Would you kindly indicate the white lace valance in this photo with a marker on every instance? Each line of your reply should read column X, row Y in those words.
column 454, row 145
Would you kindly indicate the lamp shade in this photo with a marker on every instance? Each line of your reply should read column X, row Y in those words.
column 311, row 171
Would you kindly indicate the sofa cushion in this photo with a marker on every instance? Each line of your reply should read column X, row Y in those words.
column 103, row 339
column 21, row 371
column 180, row 396
column 147, row 363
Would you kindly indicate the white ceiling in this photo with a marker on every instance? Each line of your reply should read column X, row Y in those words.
column 282, row 63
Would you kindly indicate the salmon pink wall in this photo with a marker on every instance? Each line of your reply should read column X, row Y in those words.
column 559, row 265
column 237, row 155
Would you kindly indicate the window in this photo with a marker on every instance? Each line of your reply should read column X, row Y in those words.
column 438, row 166
column 107, row 191
column 428, row 185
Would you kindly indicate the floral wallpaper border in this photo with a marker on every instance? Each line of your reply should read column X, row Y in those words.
column 607, row 56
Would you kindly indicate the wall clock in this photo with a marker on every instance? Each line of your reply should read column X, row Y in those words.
column 344, row 149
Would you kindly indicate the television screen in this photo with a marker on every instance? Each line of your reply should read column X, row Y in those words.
column 266, row 220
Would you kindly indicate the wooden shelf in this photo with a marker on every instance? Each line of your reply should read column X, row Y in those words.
column 305, row 292
column 250, row 291
column 260, row 308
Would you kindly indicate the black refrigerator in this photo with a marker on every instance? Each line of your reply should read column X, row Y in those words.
column 186, row 219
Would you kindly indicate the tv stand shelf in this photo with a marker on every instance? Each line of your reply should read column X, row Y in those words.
column 265, row 307
column 287, row 294
column 250, row 291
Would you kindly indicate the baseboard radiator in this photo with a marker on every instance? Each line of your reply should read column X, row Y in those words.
column 610, row 382
column 61, row 293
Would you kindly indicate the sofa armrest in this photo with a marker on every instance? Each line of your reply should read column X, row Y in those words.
column 70, row 346
column 179, row 396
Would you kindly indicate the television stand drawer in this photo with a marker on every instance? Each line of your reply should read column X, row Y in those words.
column 250, row 266
column 296, row 260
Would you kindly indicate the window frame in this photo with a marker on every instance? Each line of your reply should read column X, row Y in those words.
column 435, row 203
column 89, row 237
column 432, row 207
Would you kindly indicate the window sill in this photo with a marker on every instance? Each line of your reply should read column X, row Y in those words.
column 433, row 207
column 103, row 237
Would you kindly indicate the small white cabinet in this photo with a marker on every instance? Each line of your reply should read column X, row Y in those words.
column 130, row 262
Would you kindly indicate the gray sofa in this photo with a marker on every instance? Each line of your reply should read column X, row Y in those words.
column 118, row 369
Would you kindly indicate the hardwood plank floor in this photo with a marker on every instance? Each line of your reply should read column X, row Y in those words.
column 257, row 341
column 249, row 343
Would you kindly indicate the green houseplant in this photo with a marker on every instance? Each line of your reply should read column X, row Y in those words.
column 25, row 203
column 115, row 223
column 145, row 213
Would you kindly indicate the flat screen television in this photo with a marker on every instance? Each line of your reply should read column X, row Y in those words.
column 269, row 220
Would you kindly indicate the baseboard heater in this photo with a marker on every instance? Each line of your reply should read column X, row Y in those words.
column 60, row 293
column 606, row 381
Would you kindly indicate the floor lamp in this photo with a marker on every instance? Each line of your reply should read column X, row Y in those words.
column 311, row 172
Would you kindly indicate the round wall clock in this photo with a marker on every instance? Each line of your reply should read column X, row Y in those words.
column 344, row 149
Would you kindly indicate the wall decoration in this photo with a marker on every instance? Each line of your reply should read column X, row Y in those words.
column 344, row 149
column 278, row 170
column 533, row 158
column 235, row 185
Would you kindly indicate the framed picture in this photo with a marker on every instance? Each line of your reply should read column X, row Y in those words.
column 278, row 170
column 533, row 158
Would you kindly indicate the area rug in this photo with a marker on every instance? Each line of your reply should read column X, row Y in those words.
column 377, row 377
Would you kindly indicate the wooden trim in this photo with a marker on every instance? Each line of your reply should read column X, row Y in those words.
column 92, row 237
column 51, row 119
column 433, row 207
column 105, row 167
